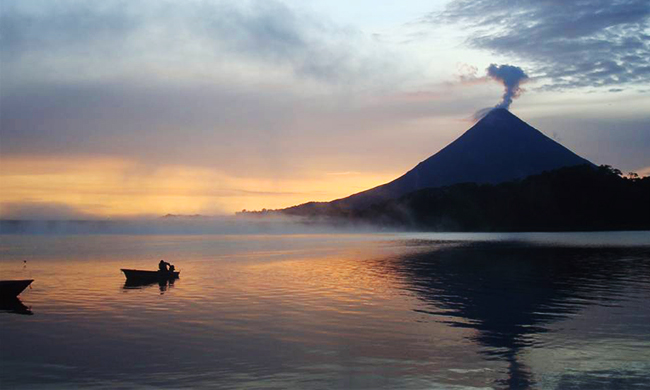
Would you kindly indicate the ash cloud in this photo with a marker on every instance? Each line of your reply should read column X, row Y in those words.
column 511, row 77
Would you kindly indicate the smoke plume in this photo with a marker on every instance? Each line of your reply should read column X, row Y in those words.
column 511, row 77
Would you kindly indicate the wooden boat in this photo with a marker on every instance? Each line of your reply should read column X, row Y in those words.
column 11, row 288
column 143, row 275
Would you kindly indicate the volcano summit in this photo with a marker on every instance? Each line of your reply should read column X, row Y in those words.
column 500, row 175
column 498, row 148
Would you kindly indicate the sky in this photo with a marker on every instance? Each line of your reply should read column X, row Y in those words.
column 120, row 109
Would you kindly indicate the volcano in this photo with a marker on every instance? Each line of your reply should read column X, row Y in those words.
column 499, row 148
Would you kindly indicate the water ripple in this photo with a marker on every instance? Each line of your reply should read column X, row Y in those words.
column 385, row 311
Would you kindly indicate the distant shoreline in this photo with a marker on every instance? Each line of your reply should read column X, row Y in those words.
column 579, row 198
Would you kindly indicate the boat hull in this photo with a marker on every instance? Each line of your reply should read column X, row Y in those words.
column 14, row 305
column 11, row 288
column 142, row 275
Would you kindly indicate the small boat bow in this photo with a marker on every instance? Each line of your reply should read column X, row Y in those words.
column 11, row 288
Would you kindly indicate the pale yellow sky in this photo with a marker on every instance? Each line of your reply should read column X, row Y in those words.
column 110, row 187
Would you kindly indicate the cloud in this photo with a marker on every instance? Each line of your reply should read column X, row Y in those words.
column 41, row 211
column 39, row 25
column 252, row 87
column 73, row 39
column 571, row 44
column 249, row 131
column 479, row 114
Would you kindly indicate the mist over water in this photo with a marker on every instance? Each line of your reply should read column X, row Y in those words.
column 182, row 226
column 326, row 311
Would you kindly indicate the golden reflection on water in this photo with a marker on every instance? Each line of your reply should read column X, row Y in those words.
column 318, row 294
column 338, row 310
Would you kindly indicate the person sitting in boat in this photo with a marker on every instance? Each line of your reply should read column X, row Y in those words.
column 162, row 266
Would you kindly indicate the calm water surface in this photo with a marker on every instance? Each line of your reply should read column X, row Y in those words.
column 401, row 311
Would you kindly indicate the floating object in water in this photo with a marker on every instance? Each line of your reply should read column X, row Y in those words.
column 143, row 275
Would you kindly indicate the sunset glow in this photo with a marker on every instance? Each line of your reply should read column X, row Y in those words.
column 324, row 194
column 105, row 187
column 210, row 107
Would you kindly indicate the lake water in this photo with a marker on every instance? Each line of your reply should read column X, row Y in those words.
column 368, row 311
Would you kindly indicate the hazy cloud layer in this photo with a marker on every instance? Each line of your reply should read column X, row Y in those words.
column 594, row 43
column 249, row 131
column 252, row 86
column 73, row 39
column 41, row 210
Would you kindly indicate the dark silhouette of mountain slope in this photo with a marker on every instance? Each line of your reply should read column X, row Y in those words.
column 570, row 198
column 576, row 198
column 499, row 148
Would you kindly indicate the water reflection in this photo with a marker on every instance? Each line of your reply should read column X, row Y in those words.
column 136, row 284
column 315, row 312
column 15, row 306
column 510, row 293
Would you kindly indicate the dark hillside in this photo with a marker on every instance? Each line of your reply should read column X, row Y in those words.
column 499, row 148
column 573, row 198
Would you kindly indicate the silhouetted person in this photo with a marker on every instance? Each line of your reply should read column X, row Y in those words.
column 172, row 268
column 162, row 266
